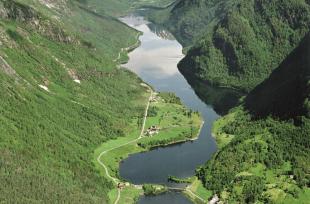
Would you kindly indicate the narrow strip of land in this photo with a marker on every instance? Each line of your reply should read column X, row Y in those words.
column 131, row 47
column 195, row 195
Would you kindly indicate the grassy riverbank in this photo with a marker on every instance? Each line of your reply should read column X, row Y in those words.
column 175, row 123
column 221, row 137
column 196, row 187
column 175, row 179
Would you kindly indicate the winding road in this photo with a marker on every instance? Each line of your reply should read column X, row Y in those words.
column 131, row 47
column 116, row 180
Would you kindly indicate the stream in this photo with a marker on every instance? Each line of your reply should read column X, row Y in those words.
column 155, row 61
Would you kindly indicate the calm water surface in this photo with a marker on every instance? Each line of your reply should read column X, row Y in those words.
column 155, row 61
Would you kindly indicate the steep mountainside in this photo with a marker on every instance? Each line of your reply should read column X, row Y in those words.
column 286, row 92
column 236, row 43
column 264, row 143
column 61, row 96
column 191, row 19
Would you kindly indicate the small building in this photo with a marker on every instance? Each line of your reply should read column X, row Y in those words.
column 153, row 99
column 215, row 199
column 152, row 130
column 121, row 185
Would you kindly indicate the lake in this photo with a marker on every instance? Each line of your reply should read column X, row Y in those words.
column 155, row 61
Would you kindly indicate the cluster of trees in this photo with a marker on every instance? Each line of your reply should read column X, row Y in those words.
column 175, row 179
column 150, row 189
column 252, row 189
column 170, row 98
column 152, row 112
column 153, row 142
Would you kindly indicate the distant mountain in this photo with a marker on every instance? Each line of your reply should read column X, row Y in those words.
column 285, row 94
column 236, row 43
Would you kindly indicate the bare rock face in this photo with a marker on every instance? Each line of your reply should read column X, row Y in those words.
column 6, row 68
column 10, row 9
column 17, row 11
column 56, row 4
column 3, row 12
column 5, row 40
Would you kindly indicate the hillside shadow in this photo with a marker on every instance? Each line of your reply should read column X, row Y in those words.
column 283, row 94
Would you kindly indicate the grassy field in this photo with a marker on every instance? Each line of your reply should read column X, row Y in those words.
column 220, row 136
column 197, row 188
column 175, row 123
column 112, row 160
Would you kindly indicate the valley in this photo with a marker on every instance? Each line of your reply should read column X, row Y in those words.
column 154, row 101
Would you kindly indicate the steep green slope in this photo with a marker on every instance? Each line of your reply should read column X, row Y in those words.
column 190, row 20
column 121, row 7
column 61, row 97
column 262, row 158
column 98, row 31
column 236, row 43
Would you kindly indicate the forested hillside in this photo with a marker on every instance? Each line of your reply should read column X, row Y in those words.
column 285, row 94
column 236, row 43
column 61, row 97
column 264, row 143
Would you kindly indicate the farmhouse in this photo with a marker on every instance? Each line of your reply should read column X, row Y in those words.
column 152, row 130
column 121, row 185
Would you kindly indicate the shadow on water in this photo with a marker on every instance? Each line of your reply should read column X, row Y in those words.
column 161, row 32
column 221, row 99
column 155, row 61
column 166, row 198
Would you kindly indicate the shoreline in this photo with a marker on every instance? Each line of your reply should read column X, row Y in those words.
column 163, row 145
column 126, row 50
column 136, row 186
column 179, row 141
